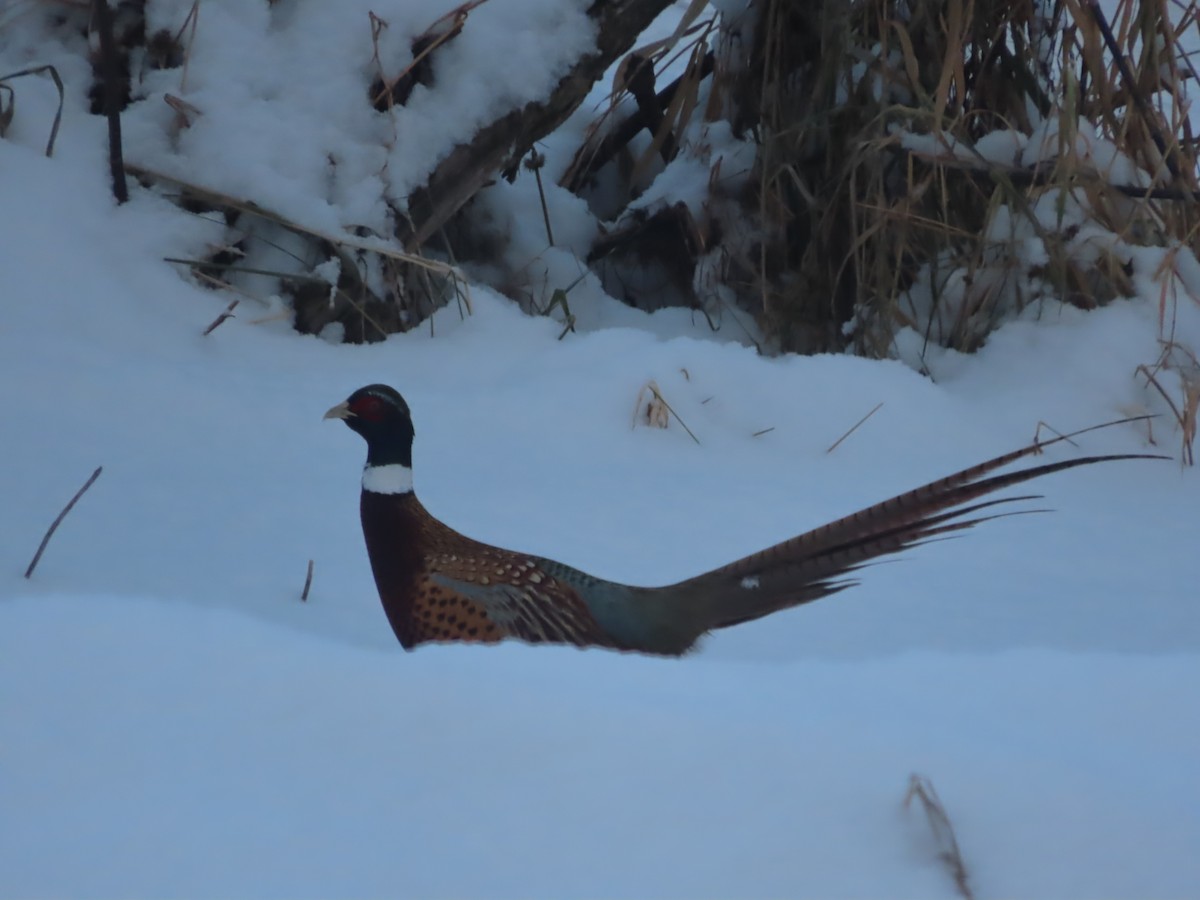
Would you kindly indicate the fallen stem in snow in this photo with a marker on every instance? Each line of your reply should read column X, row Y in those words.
column 227, row 314
column 943, row 832
column 62, row 515
column 307, row 583
column 854, row 427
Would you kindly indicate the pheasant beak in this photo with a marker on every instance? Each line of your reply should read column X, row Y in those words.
column 341, row 411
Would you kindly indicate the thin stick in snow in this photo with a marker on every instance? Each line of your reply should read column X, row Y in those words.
column 943, row 832
column 62, row 515
column 228, row 314
column 307, row 583
column 854, row 427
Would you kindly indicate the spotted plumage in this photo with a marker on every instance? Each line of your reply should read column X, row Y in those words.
column 437, row 585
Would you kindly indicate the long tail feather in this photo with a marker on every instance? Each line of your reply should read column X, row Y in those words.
column 815, row 564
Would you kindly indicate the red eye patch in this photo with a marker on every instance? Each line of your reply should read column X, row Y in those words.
column 369, row 407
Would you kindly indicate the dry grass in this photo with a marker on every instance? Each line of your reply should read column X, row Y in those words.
column 652, row 408
column 866, row 226
column 1182, row 363
column 881, row 196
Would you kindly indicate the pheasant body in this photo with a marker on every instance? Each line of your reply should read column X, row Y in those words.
column 438, row 585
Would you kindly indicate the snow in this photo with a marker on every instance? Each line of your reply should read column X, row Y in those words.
column 281, row 763
column 1001, row 147
column 174, row 720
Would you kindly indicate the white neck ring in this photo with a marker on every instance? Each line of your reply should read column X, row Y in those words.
column 391, row 479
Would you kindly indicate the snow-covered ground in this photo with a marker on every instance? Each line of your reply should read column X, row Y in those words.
column 175, row 721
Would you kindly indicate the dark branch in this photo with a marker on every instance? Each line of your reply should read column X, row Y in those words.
column 112, row 98
column 58, row 521
column 307, row 583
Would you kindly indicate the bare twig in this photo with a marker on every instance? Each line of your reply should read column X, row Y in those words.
column 943, row 832
column 854, row 427
column 227, row 314
column 663, row 400
column 422, row 46
column 1185, row 418
column 6, row 113
column 192, row 18
column 307, row 583
column 62, row 515
column 559, row 298
column 534, row 164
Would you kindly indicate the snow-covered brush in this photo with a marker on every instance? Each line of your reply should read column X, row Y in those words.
column 366, row 284
column 937, row 166
column 664, row 113
column 1071, row 197
column 393, row 90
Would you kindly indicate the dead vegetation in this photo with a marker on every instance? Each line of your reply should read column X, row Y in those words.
column 937, row 165
column 363, row 284
column 370, row 284
column 907, row 156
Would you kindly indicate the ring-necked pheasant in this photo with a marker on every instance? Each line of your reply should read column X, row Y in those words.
column 439, row 585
